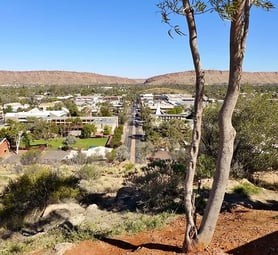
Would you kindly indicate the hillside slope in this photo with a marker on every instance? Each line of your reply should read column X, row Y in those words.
column 59, row 78
column 214, row 77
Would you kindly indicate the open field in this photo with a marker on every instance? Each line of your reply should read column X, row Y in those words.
column 80, row 143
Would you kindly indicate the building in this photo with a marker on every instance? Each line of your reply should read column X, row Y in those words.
column 16, row 106
column 49, row 105
column 4, row 147
column 99, row 122
column 61, row 118
column 35, row 113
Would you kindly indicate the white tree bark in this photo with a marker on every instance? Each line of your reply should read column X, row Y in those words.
column 191, row 228
column 238, row 35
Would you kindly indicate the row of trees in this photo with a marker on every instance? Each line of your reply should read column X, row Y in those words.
column 117, row 137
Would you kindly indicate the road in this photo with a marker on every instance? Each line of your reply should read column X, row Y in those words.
column 133, row 135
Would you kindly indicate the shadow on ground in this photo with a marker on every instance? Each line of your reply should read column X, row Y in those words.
column 128, row 198
column 130, row 247
column 259, row 246
column 237, row 199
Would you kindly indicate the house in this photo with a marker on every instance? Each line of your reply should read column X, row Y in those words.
column 16, row 106
column 4, row 147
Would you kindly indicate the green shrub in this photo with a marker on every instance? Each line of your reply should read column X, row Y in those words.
column 33, row 190
column 205, row 166
column 117, row 137
column 246, row 189
column 89, row 172
column 110, row 156
column 128, row 167
column 160, row 186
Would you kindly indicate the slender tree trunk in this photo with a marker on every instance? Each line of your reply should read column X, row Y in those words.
column 18, row 141
column 191, row 229
column 238, row 35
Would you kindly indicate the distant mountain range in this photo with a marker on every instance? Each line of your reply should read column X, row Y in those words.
column 76, row 78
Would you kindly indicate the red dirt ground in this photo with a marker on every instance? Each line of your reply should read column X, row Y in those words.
column 242, row 232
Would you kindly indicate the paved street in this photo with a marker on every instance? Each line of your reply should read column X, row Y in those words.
column 132, row 136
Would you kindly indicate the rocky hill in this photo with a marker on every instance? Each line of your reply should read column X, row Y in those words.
column 59, row 78
column 76, row 78
column 214, row 77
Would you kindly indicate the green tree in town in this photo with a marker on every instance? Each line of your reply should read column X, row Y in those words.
column 13, row 132
column 41, row 129
column 107, row 130
column 173, row 132
column 87, row 130
column 71, row 106
column 26, row 139
column 105, row 111
column 117, row 137
column 8, row 109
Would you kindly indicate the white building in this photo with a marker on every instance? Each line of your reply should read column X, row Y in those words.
column 35, row 113
column 16, row 106
column 98, row 151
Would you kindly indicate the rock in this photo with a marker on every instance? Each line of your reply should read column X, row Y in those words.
column 57, row 214
column 64, row 209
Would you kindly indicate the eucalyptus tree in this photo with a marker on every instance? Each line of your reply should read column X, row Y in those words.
column 13, row 133
column 187, row 9
column 256, row 122
column 41, row 129
column 238, row 13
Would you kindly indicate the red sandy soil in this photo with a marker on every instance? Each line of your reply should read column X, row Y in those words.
column 241, row 232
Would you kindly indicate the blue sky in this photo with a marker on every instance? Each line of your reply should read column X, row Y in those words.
column 123, row 38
